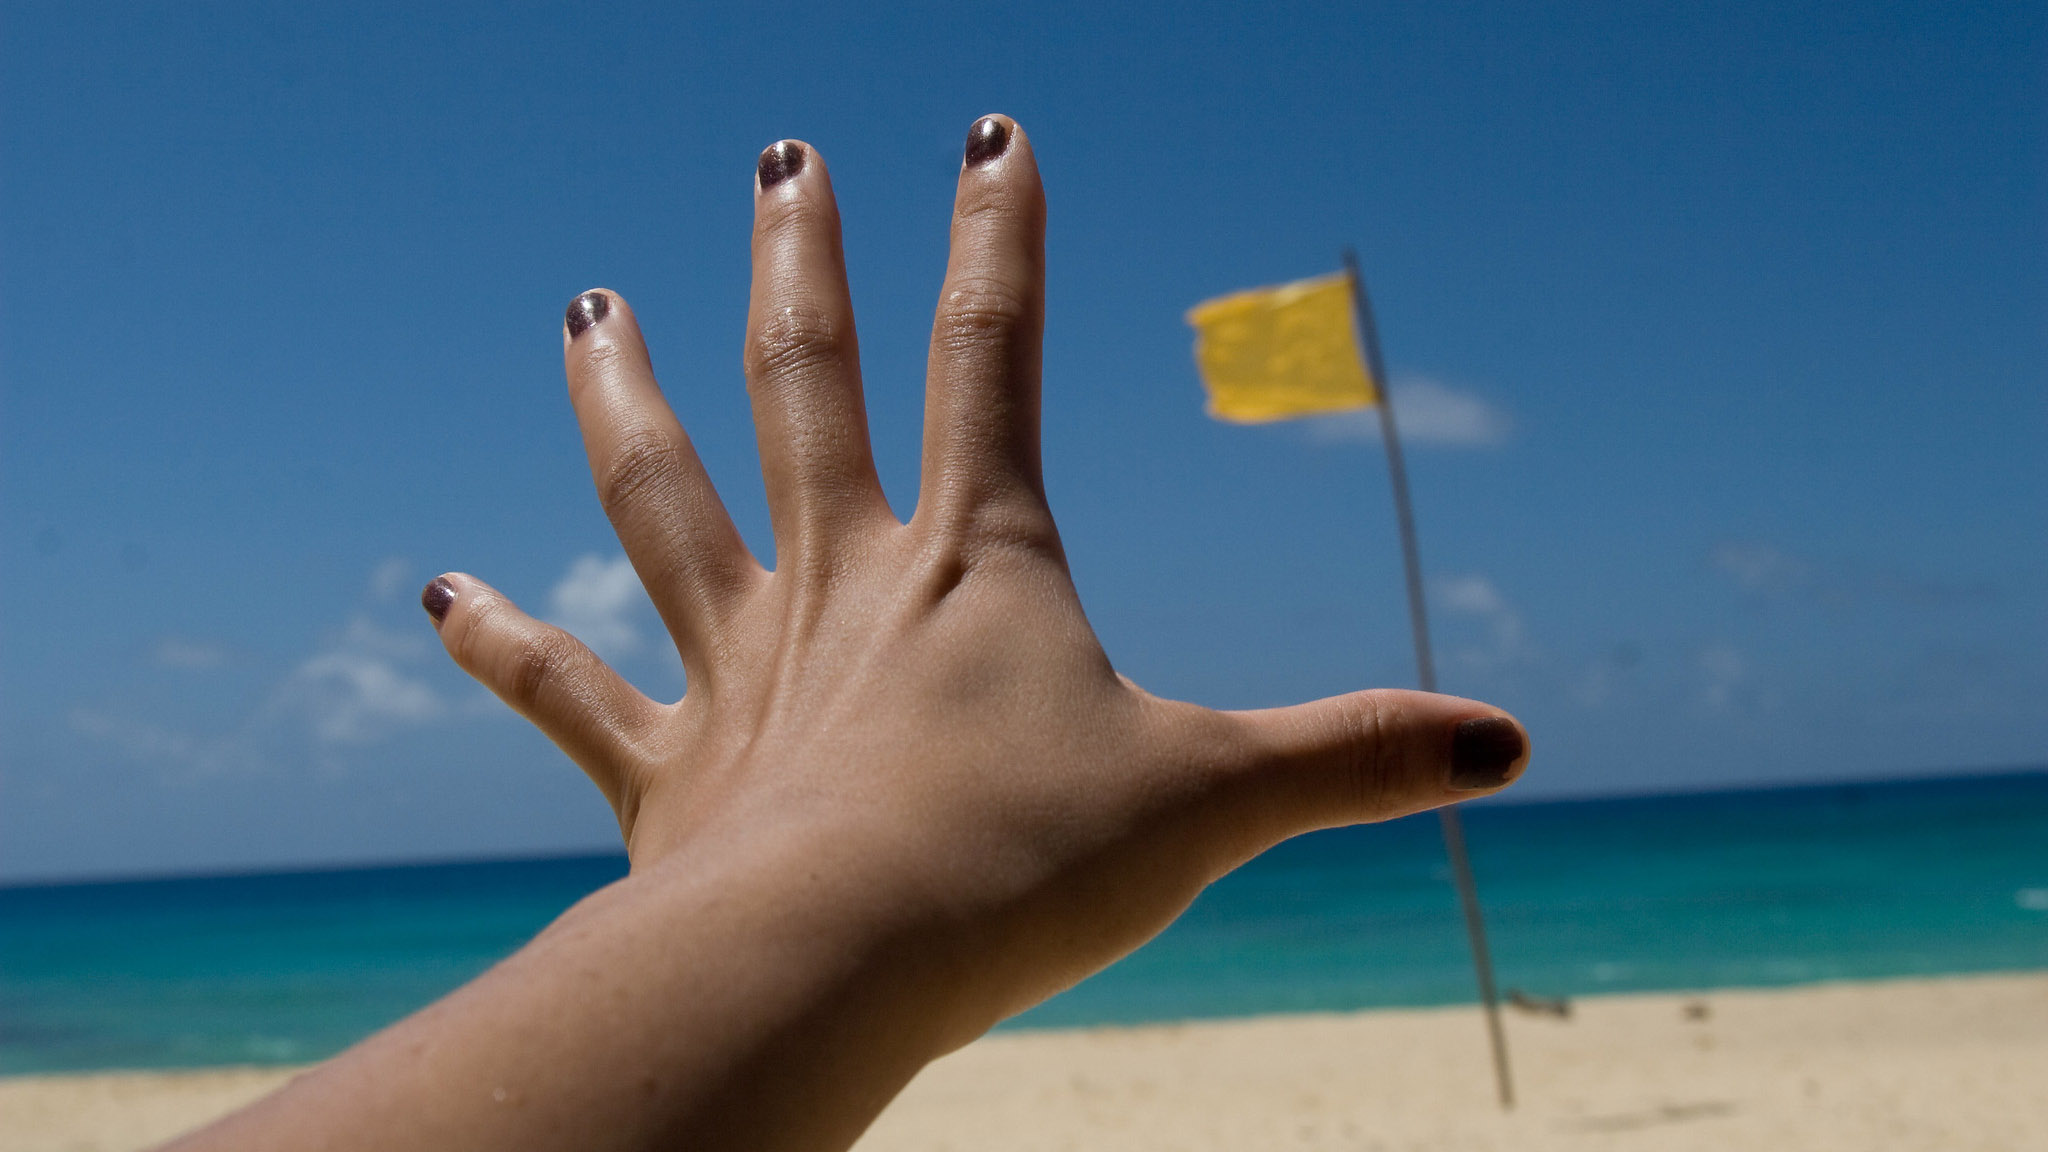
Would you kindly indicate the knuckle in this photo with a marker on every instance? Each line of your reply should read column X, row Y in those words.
column 981, row 309
column 602, row 358
column 1365, row 758
column 799, row 213
column 533, row 665
column 794, row 340
column 999, row 527
column 1002, row 207
column 980, row 520
column 597, row 366
column 468, row 633
column 642, row 463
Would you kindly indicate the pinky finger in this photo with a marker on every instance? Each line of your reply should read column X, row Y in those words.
column 545, row 674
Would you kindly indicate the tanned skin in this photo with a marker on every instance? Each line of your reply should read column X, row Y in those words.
column 907, row 794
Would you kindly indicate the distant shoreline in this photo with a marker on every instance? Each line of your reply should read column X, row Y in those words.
column 1510, row 799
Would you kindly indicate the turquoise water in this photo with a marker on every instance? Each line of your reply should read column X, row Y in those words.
column 1736, row 888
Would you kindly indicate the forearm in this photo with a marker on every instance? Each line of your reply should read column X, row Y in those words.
column 713, row 1002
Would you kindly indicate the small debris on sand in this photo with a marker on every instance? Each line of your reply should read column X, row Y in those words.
column 1560, row 1007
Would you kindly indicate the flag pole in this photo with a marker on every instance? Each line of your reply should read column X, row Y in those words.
column 1425, row 667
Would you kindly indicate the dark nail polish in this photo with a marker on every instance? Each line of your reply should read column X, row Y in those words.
column 586, row 310
column 1484, row 751
column 986, row 141
column 436, row 598
column 783, row 159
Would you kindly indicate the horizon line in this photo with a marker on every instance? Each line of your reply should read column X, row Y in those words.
column 1505, row 800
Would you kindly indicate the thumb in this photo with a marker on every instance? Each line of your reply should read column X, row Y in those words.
column 1376, row 755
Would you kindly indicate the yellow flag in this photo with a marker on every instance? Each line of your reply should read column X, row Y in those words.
column 1276, row 353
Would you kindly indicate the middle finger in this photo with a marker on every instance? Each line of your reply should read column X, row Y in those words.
column 803, row 362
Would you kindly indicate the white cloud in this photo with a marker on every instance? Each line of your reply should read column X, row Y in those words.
column 1426, row 412
column 596, row 600
column 1722, row 671
column 1760, row 568
column 355, row 698
column 206, row 755
column 1592, row 687
column 1475, row 597
column 361, row 686
column 390, row 578
column 190, row 655
column 1471, row 595
column 1769, row 573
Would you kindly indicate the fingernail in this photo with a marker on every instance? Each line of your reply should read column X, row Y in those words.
column 781, row 160
column 586, row 310
column 986, row 141
column 439, row 594
column 1484, row 751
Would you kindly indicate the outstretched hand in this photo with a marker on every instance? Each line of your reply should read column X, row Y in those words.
column 923, row 704
column 906, row 793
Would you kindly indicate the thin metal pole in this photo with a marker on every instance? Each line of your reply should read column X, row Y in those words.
column 1425, row 668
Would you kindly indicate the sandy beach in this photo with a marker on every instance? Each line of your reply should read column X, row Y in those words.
column 1951, row 1064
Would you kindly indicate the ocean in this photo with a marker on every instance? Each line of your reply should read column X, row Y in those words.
column 1712, row 890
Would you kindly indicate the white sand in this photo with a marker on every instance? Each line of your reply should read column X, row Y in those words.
column 1953, row 1064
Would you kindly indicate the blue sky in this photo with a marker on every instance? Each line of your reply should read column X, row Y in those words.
column 1719, row 333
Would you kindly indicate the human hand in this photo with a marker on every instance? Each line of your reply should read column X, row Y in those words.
column 919, row 714
column 906, row 794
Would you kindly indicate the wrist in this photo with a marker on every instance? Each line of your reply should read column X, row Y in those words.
column 838, row 933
